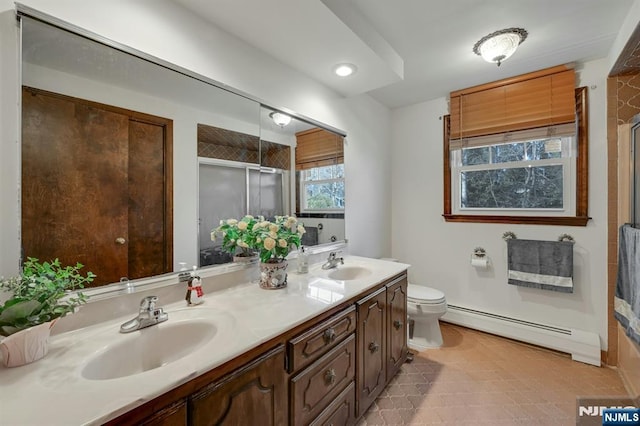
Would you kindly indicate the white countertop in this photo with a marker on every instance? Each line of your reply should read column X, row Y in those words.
column 52, row 391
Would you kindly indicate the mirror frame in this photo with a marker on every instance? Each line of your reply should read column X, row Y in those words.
column 171, row 278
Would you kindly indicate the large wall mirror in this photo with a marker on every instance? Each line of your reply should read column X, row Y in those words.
column 127, row 164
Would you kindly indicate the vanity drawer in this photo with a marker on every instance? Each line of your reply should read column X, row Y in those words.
column 310, row 345
column 340, row 412
column 317, row 386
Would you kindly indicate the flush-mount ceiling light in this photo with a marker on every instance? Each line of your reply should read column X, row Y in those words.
column 499, row 45
column 344, row 70
column 280, row 119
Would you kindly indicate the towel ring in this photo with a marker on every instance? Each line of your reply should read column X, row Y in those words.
column 509, row 235
column 566, row 237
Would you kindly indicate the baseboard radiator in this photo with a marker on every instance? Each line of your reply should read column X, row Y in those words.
column 582, row 345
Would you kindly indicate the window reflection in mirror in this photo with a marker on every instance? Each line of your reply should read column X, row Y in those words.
column 317, row 173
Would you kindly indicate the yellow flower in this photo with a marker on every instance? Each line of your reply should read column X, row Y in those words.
column 273, row 227
column 273, row 235
column 282, row 242
column 242, row 225
column 243, row 244
column 258, row 240
column 232, row 221
column 269, row 243
column 291, row 221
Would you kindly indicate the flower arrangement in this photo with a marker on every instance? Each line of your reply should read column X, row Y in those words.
column 237, row 234
column 41, row 294
column 272, row 240
column 275, row 239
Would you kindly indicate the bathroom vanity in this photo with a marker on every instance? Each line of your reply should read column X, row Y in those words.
column 318, row 352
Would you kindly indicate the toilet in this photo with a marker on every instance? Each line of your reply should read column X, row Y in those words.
column 425, row 305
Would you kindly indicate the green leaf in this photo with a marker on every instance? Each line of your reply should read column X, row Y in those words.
column 21, row 309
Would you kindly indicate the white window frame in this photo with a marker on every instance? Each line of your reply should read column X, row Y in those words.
column 303, row 193
column 567, row 160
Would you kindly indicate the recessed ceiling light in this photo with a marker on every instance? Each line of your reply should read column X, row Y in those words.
column 344, row 70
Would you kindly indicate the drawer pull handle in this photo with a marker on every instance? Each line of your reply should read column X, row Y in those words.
column 330, row 376
column 398, row 324
column 373, row 347
column 329, row 336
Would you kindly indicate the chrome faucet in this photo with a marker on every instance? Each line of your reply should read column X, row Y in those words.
column 149, row 315
column 333, row 260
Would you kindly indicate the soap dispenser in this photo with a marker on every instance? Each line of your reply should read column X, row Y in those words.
column 194, row 289
column 303, row 261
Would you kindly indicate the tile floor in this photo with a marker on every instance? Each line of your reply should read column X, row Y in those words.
column 481, row 379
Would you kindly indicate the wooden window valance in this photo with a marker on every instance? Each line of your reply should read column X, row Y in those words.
column 541, row 98
column 317, row 148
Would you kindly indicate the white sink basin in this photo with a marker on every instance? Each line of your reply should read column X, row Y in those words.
column 345, row 273
column 151, row 347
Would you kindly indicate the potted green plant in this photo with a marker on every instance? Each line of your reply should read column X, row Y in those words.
column 37, row 298
column 237, row 238
column 274, row 240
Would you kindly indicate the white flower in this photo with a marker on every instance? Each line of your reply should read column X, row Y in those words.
column 232, row 221
column 213, row 235
column 282, row 242
column 221, row 222
column 273, row 235
column 243, row 244
column 264, row 224
column 269, row 243
column 301, row 229
column 249, row 217
column 242, row 225
column 258, row 240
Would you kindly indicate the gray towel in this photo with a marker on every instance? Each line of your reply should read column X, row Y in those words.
column 627, row 299
column 541, row 264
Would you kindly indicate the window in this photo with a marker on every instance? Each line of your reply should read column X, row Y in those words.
column 523, row 177
column 322, row 189
column 534, row 180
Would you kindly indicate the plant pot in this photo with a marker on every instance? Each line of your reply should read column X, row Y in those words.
column 26, row 346
column 273, row 274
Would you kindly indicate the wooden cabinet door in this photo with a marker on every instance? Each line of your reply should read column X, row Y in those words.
column 396, row 325
column 74, row 184
column 372, row 358
column 256, row 394
column 174, row 415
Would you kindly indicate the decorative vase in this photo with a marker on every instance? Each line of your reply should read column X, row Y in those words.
column 26, row 346
column 273, row 274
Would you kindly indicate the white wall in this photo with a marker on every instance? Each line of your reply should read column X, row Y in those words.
column 440, row 251
column 165, row 30
column 626, row 30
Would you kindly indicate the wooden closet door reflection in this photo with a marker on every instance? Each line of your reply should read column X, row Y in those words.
column 74, row 184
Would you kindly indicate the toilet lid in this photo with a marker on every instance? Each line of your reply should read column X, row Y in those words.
column 422, row 294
